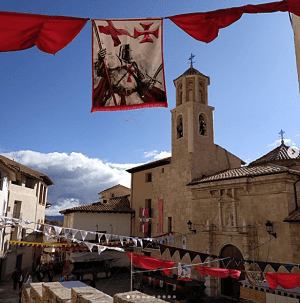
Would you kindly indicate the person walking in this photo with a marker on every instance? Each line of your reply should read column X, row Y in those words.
column 15, row 278
column 20, row 279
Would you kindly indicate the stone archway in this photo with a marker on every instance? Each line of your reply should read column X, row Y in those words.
column 231, row 287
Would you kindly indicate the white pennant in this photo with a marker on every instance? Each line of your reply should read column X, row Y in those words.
column 47, row 237
column 128, row 240
column 73, row 233
column 83, row 233
column 134, row 241
column 121, row 238
column 118, row 249
column 66, row 232
column 107, row 237
column 57, row 230
column 39, row 226
column 141, row 242
column 101, row 249
column 89, row 245
column 99, row 237
column 48, row 229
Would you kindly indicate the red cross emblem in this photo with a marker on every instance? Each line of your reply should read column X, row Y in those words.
column 146, row 32
column 114, row 32
column 130, row 70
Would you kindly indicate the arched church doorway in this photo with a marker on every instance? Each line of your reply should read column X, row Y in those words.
column 231, row 287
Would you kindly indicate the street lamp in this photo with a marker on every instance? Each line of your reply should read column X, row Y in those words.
column 190, row 224
column 269, row 227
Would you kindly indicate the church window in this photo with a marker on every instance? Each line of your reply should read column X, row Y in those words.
column 179, row 96
column 202, row 125
column 191, row 95
column 179, row 127
column 191, row 91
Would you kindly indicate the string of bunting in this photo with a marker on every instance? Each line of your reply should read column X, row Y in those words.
column 43, row 31
column 203, row 256
column 51, row 231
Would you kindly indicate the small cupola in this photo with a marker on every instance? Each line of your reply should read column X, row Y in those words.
column 191, row 86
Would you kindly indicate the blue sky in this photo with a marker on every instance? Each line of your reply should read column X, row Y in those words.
column 46, row 100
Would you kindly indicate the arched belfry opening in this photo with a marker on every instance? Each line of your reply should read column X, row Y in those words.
column 179, row 95
column 202, row 125
column 191, row 89
column 231, row 287
column 179, row 127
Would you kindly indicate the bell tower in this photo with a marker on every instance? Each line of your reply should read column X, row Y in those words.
column 192, row 122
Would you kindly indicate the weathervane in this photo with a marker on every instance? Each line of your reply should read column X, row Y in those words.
column 191, row 58
column 281, row 134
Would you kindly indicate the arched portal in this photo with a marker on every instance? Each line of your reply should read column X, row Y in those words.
column 231, row 287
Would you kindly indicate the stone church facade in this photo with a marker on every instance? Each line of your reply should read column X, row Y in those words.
column 228, row 204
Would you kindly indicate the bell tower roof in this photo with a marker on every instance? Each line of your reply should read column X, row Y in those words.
column 191, row 71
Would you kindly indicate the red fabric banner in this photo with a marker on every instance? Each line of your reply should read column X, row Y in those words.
column 205, row 26
column 286, row 281
column 50, row 34
column 152, row 263
column 219, row 272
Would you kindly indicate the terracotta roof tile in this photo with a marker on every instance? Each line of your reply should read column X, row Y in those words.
column 117, row 205
column 294, row 216
column 278, row 154
column 246, row 171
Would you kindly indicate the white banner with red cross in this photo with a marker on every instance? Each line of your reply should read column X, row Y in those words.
column 128, row 64
column 144, row 220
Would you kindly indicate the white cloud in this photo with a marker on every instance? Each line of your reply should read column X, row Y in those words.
column 77, row 178
column 62, row 204
column 162, row 155
column 150, row 153
column 156, row 155
column 278, row 142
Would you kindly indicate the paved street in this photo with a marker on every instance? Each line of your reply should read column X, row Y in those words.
column 117, row 283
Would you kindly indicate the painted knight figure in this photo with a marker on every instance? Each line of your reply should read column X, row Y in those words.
column 127, row 64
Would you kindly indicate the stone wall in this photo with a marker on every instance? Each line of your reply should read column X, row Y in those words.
column 56, row 292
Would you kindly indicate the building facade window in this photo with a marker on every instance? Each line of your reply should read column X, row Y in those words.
column 17, row 182
column 29, row 183
column 169, row 224
column 148, row 177
column 17, row 209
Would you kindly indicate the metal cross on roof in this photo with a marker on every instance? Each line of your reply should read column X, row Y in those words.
column 191, row 58
column 281, row 134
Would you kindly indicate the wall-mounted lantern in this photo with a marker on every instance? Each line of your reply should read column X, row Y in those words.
column 190, row 225
column 269, row 227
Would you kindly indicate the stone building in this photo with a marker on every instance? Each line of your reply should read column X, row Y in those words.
column 227, row 203
column 111, row 215
column 23, row 195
